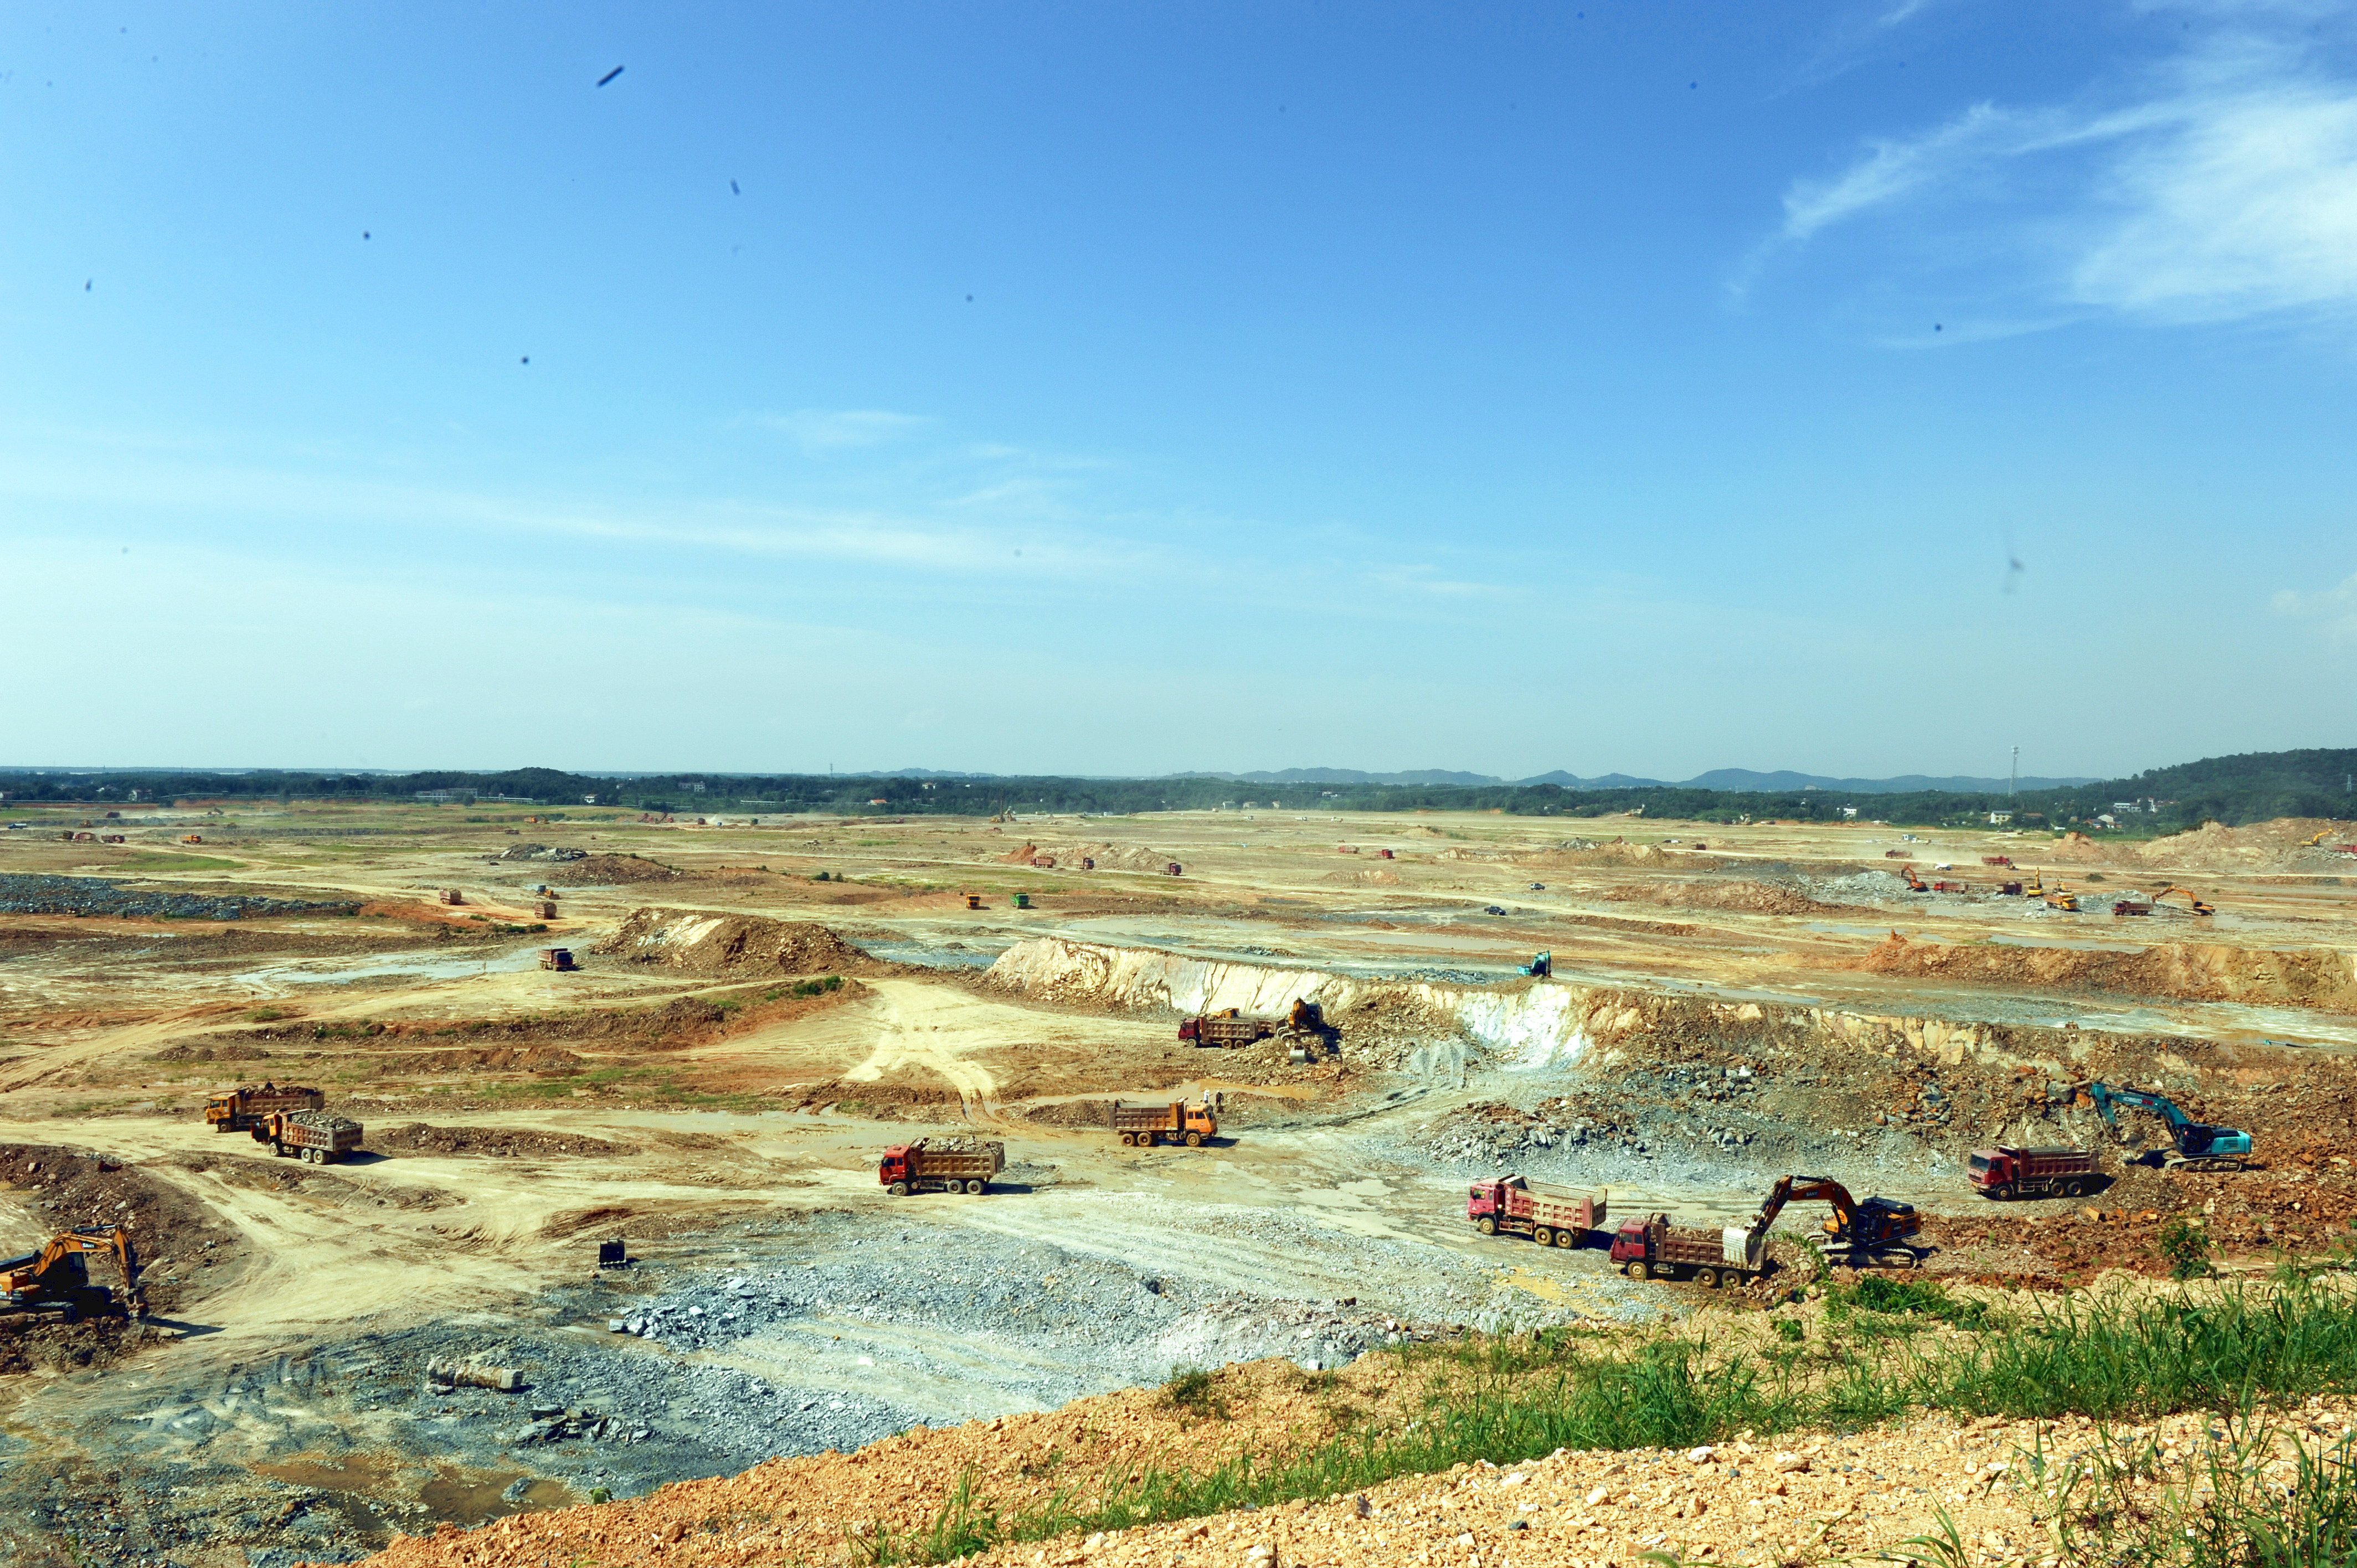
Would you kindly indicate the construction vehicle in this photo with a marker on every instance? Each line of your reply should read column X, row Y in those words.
column 1914, row 883
column 2007, row 1173
column 1226, row 1029
column 1651, row 1247
column 452, row 896
column 1952, row 887
column 2199, row 1145
column 2130, row 906
column 1550, row 1216
column 314, row 1137
column 238, row 1110
column 2057, row 896
column 973, row 900
column 2003, row 860
column 958, row 1166
column 1190, row 1122
column 1541, row 966
column 2008, row 889
column 1871, row 1234
column 192, row 838
column 56, row 1278
column 1019, row 900
column 560, row 958
column 2193, row 901
column 2316, row 838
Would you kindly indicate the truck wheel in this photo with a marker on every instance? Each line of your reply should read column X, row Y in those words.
column 973, row 1185
column 1128, row 1139
column 1707, row 1278
column 1194, row 1140
column 1565, row 1238
column 1634, row 1271
column 1542, row 1235
column 1486, row 1225
column 898, row 1189
column 2073, row 1189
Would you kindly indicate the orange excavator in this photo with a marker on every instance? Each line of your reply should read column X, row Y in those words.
column 1872, row 1234
column 1914, row 883
column 56, row 1278
column 2193, row 904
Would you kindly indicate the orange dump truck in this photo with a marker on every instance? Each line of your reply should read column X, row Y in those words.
column 239, row 1109
column 922, row 1166
column 1551, row 1216
column 1180, row 1121
column 312, row 1136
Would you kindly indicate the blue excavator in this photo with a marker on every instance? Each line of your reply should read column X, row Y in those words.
column 2199, row 1147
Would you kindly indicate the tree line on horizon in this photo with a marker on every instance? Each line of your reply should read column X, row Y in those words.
column 2234, row 790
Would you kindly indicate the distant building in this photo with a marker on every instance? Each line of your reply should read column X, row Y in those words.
column 1998, row 819
column 1849, row 814
column 2126, row 807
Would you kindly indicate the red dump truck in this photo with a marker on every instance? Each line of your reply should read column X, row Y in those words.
column 1653, row 1247
column 1226, row 1030
column 2031, row 1173
column 313, row 1136
column 1179, row 1122
column 239, row 1109
column 1551, row 1216
column 962, row 1166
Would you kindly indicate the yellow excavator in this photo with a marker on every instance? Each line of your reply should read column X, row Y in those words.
column 2057, row 896
column 2316, row 838
column 2193, row 904
column 56, row 1278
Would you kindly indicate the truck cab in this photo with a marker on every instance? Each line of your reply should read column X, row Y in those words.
column 893, row 1167
column 1199, row 1122
column 1487, row 1200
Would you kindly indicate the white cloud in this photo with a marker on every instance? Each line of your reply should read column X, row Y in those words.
column 2224, row 189
column 832, row 429
column 2336, row 606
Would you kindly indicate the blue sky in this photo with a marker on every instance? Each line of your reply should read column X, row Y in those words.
column 1650, row 387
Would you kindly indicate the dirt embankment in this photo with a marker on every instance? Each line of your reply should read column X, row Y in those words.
column 712, row 942
column 500, row 1143
column 2275, row 845
column 2311, row 977
column 608, row 870
column 531, row 1044
column 1743, row 898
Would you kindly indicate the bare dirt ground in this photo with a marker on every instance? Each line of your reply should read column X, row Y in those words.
column 714, row 1084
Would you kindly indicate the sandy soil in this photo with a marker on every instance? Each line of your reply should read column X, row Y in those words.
column 725, row 1105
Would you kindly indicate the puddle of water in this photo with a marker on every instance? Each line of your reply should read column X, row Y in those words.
column 464, row 1499
column 330, row 973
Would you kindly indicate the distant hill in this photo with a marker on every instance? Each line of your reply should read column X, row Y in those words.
column 1730, row 779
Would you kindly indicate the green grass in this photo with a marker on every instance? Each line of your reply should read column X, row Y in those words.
column 145, row 861
column 2224, row 1509
column 1508, row 1400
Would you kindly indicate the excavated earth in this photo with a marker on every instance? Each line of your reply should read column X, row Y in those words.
column 793, row 1359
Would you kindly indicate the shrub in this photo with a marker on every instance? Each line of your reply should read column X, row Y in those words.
column 2186, row 1246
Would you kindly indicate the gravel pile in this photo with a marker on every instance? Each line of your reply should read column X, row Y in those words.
column 95, row 896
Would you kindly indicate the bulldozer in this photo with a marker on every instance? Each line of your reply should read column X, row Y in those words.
column 2193, row 904
column 56, row 1278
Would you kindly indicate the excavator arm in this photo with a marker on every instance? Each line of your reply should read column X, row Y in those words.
column 1805, row 1189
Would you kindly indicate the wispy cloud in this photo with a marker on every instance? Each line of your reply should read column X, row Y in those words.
column 833, row 429
column 2224, row 186
column 2335, row 606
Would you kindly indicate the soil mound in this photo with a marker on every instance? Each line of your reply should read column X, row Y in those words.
column 424, row 1138
column 2273, row 846
column 2316, row 977
column 603, row 869
column 2076, row 848
column 1746, row 897
column 710, row 943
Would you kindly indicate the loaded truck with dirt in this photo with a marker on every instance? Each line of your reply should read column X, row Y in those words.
column 314, row 1137
column 239, row 1109
column 2004, row 1172
column 1226, row 1030
column 1550, row 1216
column 1192, row 1124
column 959, row 1164
column 1652, row 1248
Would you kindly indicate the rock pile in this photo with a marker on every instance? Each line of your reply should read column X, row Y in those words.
column 92, row 896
